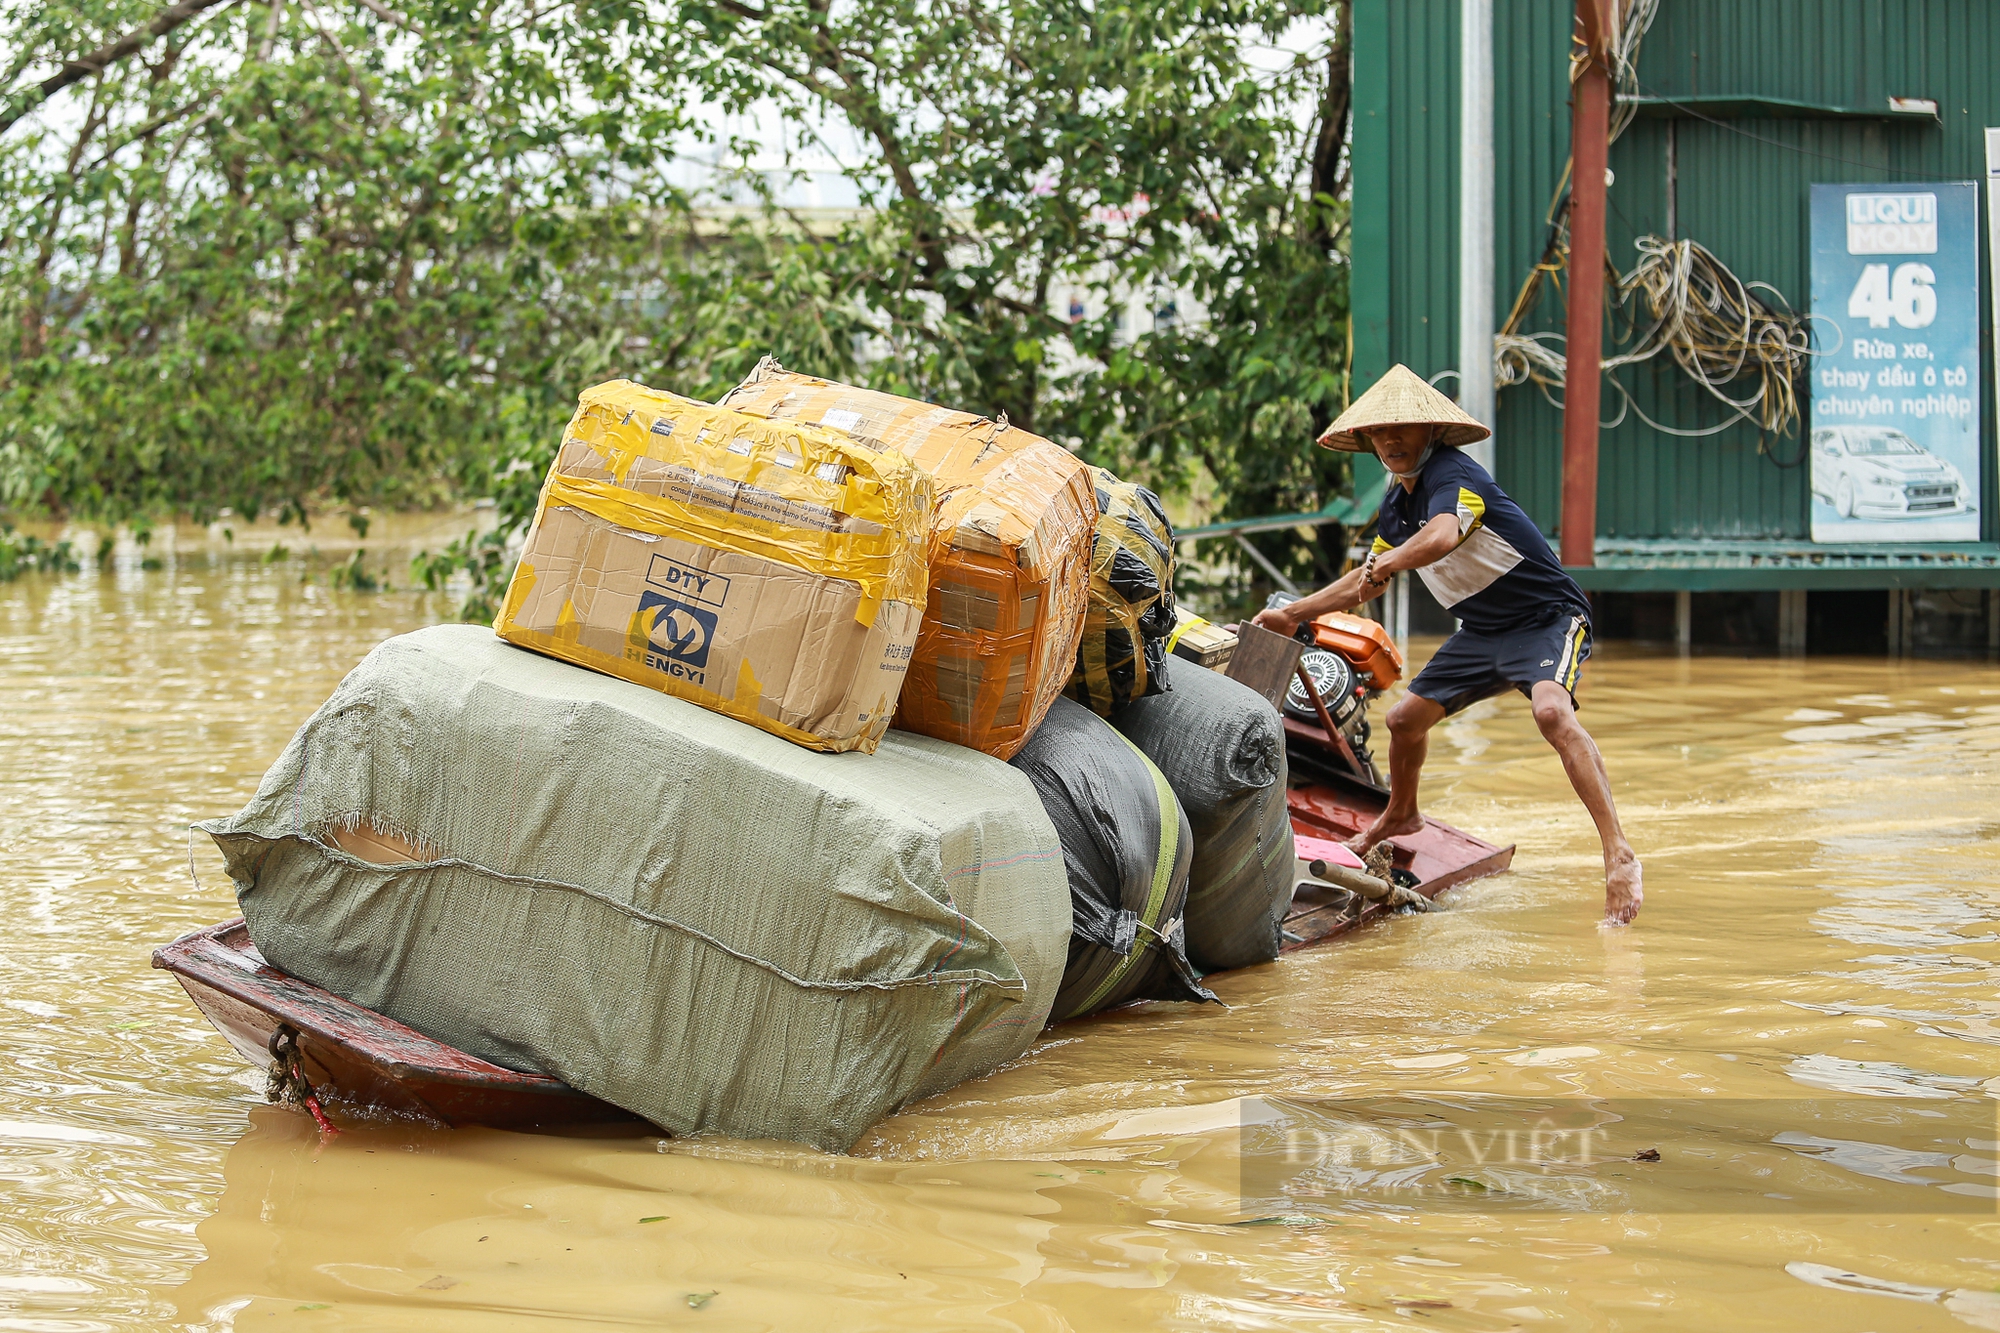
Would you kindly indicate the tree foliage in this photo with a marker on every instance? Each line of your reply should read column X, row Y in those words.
column 283, row 256
column 1025, row 151
column 302, row 253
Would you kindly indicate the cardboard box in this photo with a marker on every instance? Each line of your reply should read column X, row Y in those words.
column 773, row 573
column 1201, row 642
column 1010, row 553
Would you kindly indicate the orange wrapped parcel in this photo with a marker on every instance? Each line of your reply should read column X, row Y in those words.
column 1009, row 553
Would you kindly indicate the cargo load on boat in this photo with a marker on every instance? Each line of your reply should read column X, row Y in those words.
column 1010, row 553
column 773, row 572
column 568, row 874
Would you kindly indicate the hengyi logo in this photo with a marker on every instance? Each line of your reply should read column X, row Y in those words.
column 680, row 619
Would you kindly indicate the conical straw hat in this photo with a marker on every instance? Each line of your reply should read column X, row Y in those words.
column 1399, row 398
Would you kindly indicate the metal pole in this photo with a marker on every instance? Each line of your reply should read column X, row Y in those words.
column 1277, row 575
column 1673, row 180
column 1590, row 147
column 1402, row 613
column 1475, row 218
column 1684, row 622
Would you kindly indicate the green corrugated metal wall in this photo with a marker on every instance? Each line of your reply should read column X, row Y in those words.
column 1742, row 192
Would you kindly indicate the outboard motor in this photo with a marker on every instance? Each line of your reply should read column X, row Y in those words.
column 1352, row 660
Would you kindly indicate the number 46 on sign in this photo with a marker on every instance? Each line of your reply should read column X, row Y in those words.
column 1907, row 298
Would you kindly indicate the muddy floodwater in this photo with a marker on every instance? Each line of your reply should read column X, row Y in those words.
column 1431, row 1123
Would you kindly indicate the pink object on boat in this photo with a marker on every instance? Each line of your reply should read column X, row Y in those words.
column 1327, row 850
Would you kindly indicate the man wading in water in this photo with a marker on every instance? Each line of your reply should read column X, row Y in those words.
column 1524, row 623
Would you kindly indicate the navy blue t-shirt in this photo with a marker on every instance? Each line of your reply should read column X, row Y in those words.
column 1502, row 574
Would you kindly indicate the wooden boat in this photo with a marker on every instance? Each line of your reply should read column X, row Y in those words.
column 352, row 1060
column 1435, row 858
column 349, row 1057
column 326, row 1051
column 1336, row 791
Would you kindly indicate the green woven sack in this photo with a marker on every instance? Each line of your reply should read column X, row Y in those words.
column 671, row 910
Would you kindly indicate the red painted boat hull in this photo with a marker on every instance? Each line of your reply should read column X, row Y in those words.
column 1338, row 805
column 357, row 1060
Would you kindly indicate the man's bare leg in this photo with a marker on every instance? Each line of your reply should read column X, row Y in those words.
column 1410, row 723
column 1555, row 714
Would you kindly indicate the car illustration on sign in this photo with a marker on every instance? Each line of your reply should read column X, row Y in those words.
column 1879, row 472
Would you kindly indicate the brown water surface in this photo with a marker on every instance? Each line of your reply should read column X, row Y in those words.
column 1819, row 933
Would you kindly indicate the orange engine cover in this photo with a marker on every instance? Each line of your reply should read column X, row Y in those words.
column 1365, row 643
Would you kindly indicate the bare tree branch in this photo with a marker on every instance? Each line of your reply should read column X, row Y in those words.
column 388, row 15
column 34, row 310
column 96, row 62
column 154, row 126
column 1329, row 158
column 340, row 53
column 271, row 31
column 528, row 20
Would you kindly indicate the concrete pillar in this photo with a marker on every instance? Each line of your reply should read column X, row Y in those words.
column 1392, row 611
column 1792, row 622
column 1475, row 218
column 1684, row 621
column 1899, row 610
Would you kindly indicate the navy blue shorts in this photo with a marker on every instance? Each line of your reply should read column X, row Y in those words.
column 1478, row 664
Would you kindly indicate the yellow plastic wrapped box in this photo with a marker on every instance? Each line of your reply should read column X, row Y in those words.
column 772, row 572
column 1010, row 553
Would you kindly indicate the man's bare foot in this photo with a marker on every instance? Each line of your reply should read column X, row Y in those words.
column 1383, row 829
column 1623, row 889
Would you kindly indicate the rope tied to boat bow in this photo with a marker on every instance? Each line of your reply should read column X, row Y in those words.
column 288, row 1084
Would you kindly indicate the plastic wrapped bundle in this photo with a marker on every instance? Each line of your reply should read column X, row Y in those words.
column 668, row 909
column 1126, row 846
column 775, row 574
column 1124, row 651
column 1222, row 749
column 1010, row 553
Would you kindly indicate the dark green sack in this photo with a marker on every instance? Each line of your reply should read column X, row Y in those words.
column 1126, row 846
column 1222, row 749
